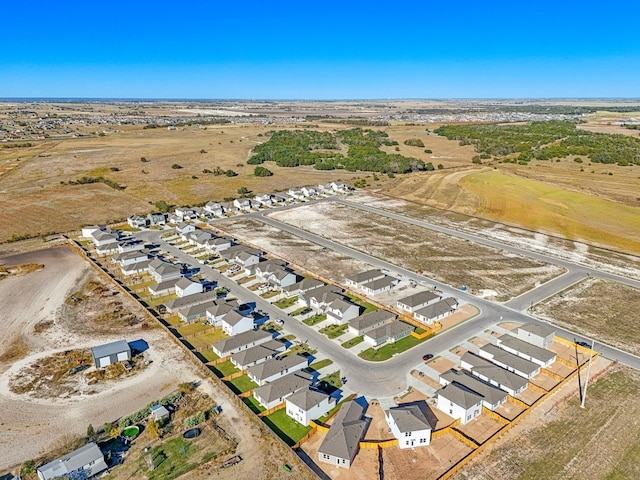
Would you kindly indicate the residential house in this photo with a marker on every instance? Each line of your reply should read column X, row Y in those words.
column 342, row 442
column 111, row 353
column 411, row 424
column 163, row 288
column 195, row 312
column 436, row 311
column 389, row 332
column 489, row 372
column 105, row 237
column 136, row 221
column 219, row 309
column 234, row 323
column 159, row 413
column 130, row 245
column 526, row 350
column 217, row 244
column 263, row 200
column 511, row 362
column 341, row 310
column 274, row 368
column 358, row 279
column 241, row 255
column 186, row 287
column 309, row 191
column 215, row 208
column 243, row 204
column 135, row 268
column 274, row 393
column 258, row 354
column 302, row 286
column 537, row 334
column 84, row 462
column 319, row 298
column 156, row 218
column 492, row 396
column 370, row 321
column 417, row 301
column 296, row 193
column 186, row 213
column 307, row 404
column 87, row 231
column 231, row 345
column 190, row 300
column 162, row 271
column 459, row 402
column 376, row 287
column 129, row 258
column 185, row 228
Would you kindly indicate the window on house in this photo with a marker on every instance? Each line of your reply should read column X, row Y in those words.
column 423, row 440
column 407, row 434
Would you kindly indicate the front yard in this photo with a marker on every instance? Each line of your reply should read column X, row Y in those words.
column 334, row 331
column 389, row 350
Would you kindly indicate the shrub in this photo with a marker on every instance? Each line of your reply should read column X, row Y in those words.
column 262, row 172
column 414, row 142
column 230, row 173
column 176, row 166
column 194, row 420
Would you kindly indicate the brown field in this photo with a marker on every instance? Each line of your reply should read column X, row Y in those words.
column 596, row 308
column 486, row 271
column 560, row 440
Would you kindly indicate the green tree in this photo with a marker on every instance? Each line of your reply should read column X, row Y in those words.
column 262, row 172
column 91, row 432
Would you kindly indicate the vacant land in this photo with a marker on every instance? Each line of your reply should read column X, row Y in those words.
column 598, row 309
column 486, row 271
column 309, row 256
column 570, row 442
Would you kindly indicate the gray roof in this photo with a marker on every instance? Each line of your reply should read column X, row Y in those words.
column 75, row 460
column 236, row 250
column 184, row 282
column 221, row 307
column 199, row 310
column 532, row 351
column 167, row 284
column 134, row 267
column 538, row 329
column 371, row 318
column 492, row 394
column 190, row 300
column 240, row 340
column 110, row 349
column 130, row 255
column 367, row 276
column 306, row 399
column 233, row 318
column 283, row 386
column 418, row 298
column 324, row 294
column 509, row 359
column 410, row 418
column 379, row 283
column 494, row 372
column 346, row 431
column 460, row 395
column 342, row 305
column 304, row 285
column 390, row 330
column 259, row 352
column 274, row 366
column 439, row 308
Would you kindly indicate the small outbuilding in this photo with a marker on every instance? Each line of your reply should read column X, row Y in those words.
column 110, row 353
column 159, row 413
column 85, row 462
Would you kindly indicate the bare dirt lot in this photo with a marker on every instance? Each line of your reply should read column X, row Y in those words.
column 559, row 440
column 488, row 272
column 599, row 309
column 298, row 251
column 37, row 311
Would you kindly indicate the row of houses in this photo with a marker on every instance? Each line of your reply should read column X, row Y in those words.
column 495, row 372
column 427, row 307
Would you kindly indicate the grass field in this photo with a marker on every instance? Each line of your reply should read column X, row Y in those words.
column 600, row 309
column 242, row 384
column 601, row 441
column 285, row 427
column 389, row 350
column 205, row 340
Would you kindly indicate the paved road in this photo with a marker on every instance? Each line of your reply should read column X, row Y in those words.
column 385, row 379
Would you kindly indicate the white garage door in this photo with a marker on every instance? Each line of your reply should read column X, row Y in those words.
column 104, row 362
column 123, row 356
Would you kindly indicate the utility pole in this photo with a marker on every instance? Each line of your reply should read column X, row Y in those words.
column 586, row 382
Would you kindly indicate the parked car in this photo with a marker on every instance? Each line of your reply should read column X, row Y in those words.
column 583, row 344
column 428, row 356
column 280, row 321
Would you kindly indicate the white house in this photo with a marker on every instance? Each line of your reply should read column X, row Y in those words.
column 358, row 279
column 526, row 350
column 511, row 362
column 342, row 442
column 411, row 424
column 130, row 245
column 162, row 271
column 417, row 301
column 156, row 218
column 306, row 405
column 231, row 345
column 458, row 401
column 340, row 311
column 370, row 321
column 436, row 311
column 309, row 191
column 537, row 334
column 492, row 396
column 319, row 298
column 85, row 462
column 89, row 229
column 376, row 287
column 219, row 309
column 258, row 354
column 234, row 323
column 274, row 393
column 184, row 228
column 389, row 332
column 242, row 204
column 489, row 372
column 274, row 368
column 185, row 287
column 136, row 221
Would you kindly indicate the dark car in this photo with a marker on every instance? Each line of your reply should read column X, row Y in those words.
column 583, row 344
column 426, row 357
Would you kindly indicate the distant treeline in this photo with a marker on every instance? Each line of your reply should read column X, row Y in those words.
column 545, row 141
column 361, row 122
column 535, row 109
column 322, row 150
column 17, row 145
column 86, row 180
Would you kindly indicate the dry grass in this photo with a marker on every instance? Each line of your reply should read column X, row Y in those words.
column 601, row 309
column 21, row 269
column 17, row 349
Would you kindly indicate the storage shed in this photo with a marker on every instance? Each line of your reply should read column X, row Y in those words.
column 110, row 353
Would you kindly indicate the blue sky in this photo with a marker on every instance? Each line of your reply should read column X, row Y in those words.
column 319, row 50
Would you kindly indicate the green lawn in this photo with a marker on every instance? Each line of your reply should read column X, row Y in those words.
column 387, row 351
column 142, row 285
column 285, row 427
column 316, row 319
column 269, row 294
column 207, row 355
column 242, row 384
column 298, row 311
column 207, row 339
column 353, row 342
column 300, row 348
column 334, row 331
column 333, row 379
column 253, row 404
column 173, row 320
column 289, row 338
column 187, row 329
column 315, row 366
column 172, row 459
column 286, row 302
column 225, row 368
column 154, row 302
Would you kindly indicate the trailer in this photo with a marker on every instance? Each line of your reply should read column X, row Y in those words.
column 230, row 462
